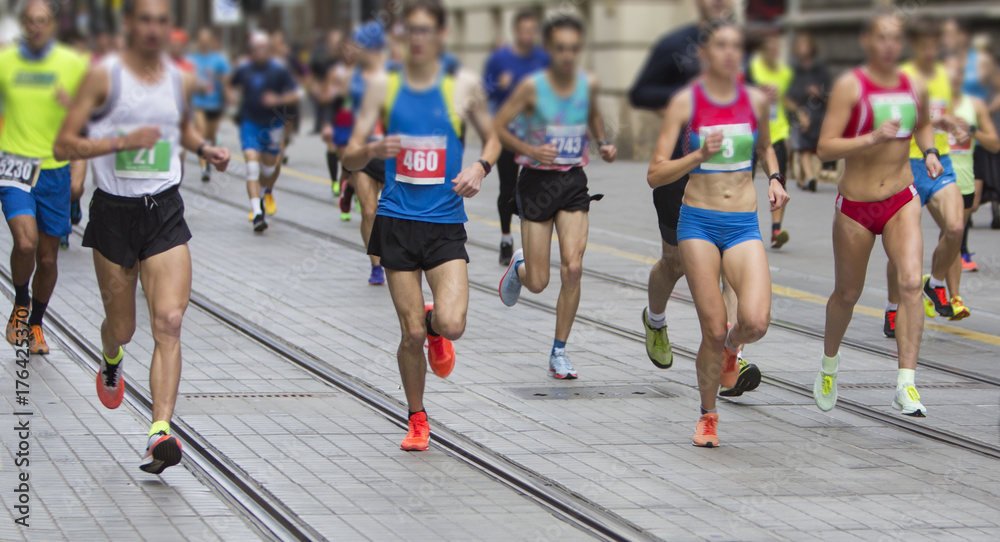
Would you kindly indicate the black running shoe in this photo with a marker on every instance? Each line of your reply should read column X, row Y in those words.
column 259, row 223
column 748, row 379
column 939, row 297
column 506, row 253
column 162, row 451
column 811, row 185
column 890, row 325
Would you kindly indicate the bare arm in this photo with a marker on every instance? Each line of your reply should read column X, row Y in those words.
column 776, row 193
column 596, row 122
column 663, row 170
column 359, row 151
column 520, row 101
column 70, row 145
column 476, row 111
column 191, row 138
column 986, row 135
column 923, row 131
column 993, row 76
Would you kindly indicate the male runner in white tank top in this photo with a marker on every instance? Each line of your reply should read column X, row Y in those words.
column 137, row 111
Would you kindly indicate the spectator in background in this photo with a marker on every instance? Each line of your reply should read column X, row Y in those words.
column 104, row 45
column 808, row 94
column 320, row 66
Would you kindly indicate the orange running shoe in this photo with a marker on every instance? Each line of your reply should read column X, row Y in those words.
column 418, row 438
column 705, row 434
column 13, row 323
column 110, row 382
column 162, row 451
column 440, row 352
column 959, row 308
column 36, row 341
column 968, row 264
column 730, row 369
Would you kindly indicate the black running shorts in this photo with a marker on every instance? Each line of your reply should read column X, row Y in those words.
column 212, row 115
column 127, row 230
column 542, row 193
column 375, row 169
column 968, row 200
column 409, row 245
column 667, row 200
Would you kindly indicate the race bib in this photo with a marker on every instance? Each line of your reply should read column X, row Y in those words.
column 938, row 109
column 898, row 106
column 569, row 142
column 421, row 159
column 737, row 147
column 955, row 148
column 19, row 171
column 144, row 163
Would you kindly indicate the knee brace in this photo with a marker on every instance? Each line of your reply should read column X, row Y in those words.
column 267, row 171
column 253, row 171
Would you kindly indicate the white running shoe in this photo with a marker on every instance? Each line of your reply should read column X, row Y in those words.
column 825, row 389
column 510, row 284
column 907, row 400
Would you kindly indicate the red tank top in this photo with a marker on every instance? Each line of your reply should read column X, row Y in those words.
column 877, row 104
column 736, row 120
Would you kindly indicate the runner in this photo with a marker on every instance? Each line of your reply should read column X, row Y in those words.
column 716, row 119
column 671, row 65
column 342, row 122
column 504, row 70
column 135, row 108
column 419, row 227
column 558, row 105
column 266, row 86
column 810, row 85
column 209, row 101
column 973, row 118
column 941, row 195
column 37, row 76
column 774, row 77
column 874, row 111
column 285, row 55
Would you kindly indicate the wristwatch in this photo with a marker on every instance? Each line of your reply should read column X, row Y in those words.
column 930, row 151
column 201, row 149
column 486, row 166
column 779, row 177
column 603, row 142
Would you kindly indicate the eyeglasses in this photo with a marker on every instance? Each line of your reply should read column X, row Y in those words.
column 420, row 31
column 40, row 20
column 567, row 48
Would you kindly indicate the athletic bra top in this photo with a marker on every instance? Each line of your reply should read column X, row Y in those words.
column 877, row 104
column 738, row 123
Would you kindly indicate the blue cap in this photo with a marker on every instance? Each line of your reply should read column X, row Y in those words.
column 370, row 35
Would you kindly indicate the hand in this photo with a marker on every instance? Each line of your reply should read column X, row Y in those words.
column 217, row 156
column 934, row 167
column 545, row 154
column 469, row 181
column 772, row 92
column 269, row 99
column 327, row 133
column 63, row 98
column 814, row 91
column 887, row 131
column 711, row 145
column 505, row 81
column 962, row 137
column 608, row 152
column 776, row 195
column 803, row 120
column 141, row 138
column 385, row 148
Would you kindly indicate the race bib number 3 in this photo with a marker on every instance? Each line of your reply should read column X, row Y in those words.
column 569, row 142
column 737, row 147
column 144, row 163
column 899, row 107
column 19, row 171
column 421, row 160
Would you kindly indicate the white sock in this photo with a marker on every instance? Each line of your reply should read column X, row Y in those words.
column 729, row 344
column 891, row 306
column 905, row 378
column 656, row 321
column 935, row 283
column 831, row 365
column 255, row 206
column 507, row 238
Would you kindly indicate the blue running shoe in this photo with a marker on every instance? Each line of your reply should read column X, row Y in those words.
column 378, row 276
column 510, row 284
column 75, row 213
column 64, row 242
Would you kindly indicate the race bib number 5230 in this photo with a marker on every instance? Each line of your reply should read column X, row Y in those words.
column 421, row 160
column 19, row 171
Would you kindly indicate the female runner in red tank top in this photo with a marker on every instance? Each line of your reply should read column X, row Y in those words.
column 873, row 112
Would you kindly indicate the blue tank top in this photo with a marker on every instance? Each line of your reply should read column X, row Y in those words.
column 971, row 86
column 559, row 120
column 356, row 89
column 418, row 180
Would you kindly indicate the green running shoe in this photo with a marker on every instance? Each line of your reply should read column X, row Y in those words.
column 747, row 380
column 657, row 344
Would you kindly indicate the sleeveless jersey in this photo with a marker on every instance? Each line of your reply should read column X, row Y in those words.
column 418, row 180
column 356, row 89
column 132, row 104
column 939, row 100
column 961, row 155
column 781, row 79
column 558, row 120
column 971, row 85
column 878, row 104
column 738, row 123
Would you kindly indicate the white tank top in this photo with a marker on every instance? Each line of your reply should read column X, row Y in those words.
column 132, row 104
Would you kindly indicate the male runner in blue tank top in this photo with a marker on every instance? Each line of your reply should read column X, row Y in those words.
column 559, row 105
column 419, row 226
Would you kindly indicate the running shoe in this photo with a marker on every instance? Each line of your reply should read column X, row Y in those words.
column 779, row 238
column 345, row 217
column 284, row 160
column 377, row 277
column 730, row 369
column 510, row 284
column 937, row 300
column 825, row 389
column 657, row 344
column 346, row 195
column 968, row 264
column 889, row 327
column 706, row 432
column 418, row 438
column 440, row 352
column 907, row 401
column 335, row 188
column 64, row 242
column 995, row 225
column 75, row 212
column 162, row 451
column 748, row 380
column 259, row 223
column 506, row 253
column 111, row 383
column 959, row 309
column 205, row 176
column 811, row 185
column 560, row 367
column 36, row 341
column 15, row 323
column 269, row 206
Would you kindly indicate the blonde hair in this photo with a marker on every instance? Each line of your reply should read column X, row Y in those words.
column 981, row 42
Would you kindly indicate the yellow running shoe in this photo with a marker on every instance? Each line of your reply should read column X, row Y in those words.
column 959, row 308
column 269, row 206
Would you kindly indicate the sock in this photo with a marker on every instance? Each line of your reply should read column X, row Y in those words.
column 706, row 411
column 729, row 343
column 117, row 359
column 159, row 426
column 935, row 283
column 507, row 238
column 830, row 365
column 430, row 328
column 412, row 414
column 891, row 306
column 558, row 345
column 37, row 312
column 518, row 264
column 776, row 226
column 656, row 321
column 268, row 190
column 21, row 296
column 965, row 238
column 332, row 164
column 905, row 378
column 255, row 206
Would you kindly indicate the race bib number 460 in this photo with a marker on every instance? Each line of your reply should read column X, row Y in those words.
column 421, row 160
column 144, row 163
column 569, row 142
column 19, row 171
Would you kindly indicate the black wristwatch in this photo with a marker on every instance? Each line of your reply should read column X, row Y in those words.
column 972, row 130
column 486, row 166
column 603, row 142
column 930, row 151
column 779, row 177
column 201, row 149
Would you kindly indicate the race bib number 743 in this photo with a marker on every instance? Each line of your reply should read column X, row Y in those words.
column 421, row 159
column 19, row 171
